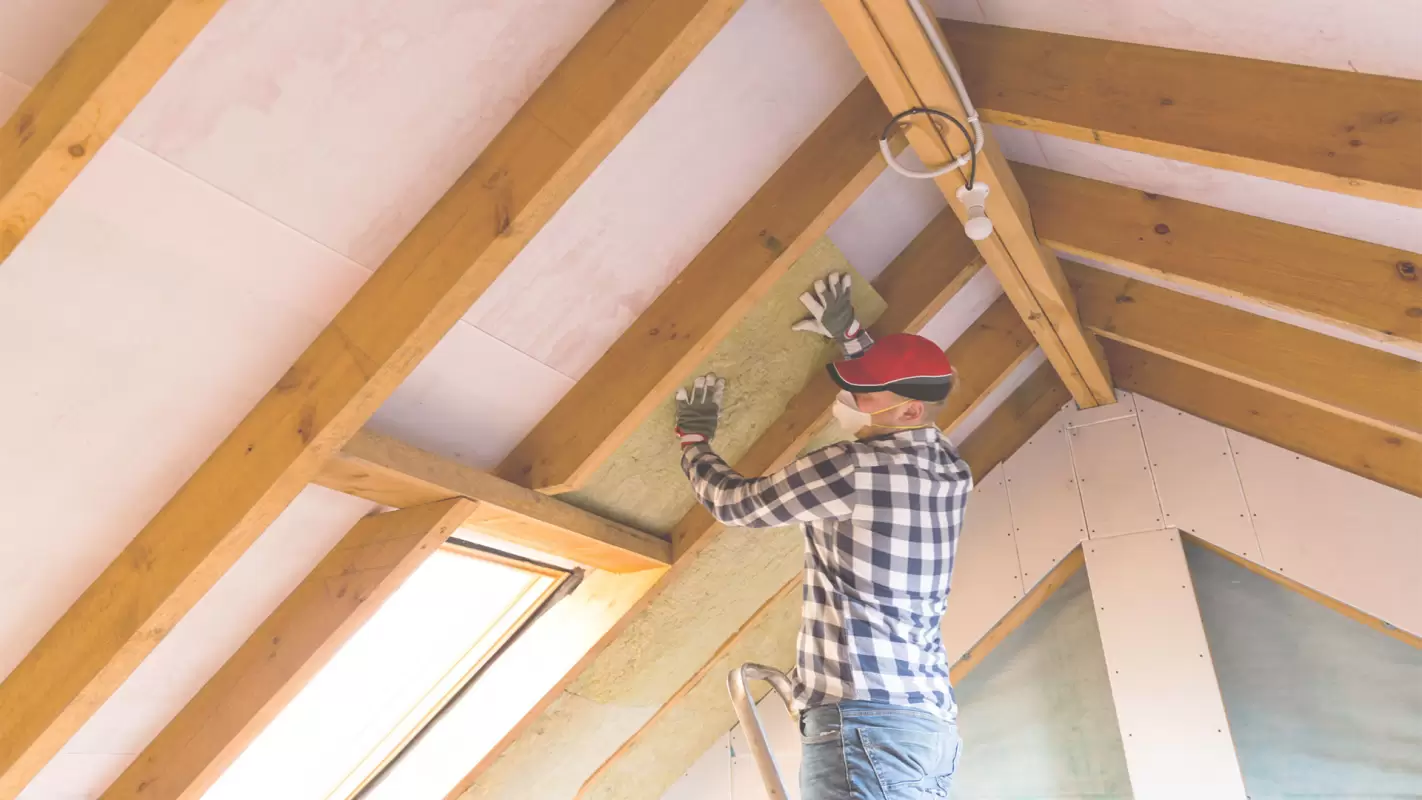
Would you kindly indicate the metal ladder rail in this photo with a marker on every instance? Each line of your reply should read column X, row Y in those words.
column 750, row 721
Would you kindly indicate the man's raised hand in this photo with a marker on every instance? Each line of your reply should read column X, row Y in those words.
column 831, row 309
column 698, row 410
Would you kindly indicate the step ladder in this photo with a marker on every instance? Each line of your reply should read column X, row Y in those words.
column 750, row 722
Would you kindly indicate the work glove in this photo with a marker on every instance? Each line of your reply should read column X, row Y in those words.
column 698, row 411
column 831, row 309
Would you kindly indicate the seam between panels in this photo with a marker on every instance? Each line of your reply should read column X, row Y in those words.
column 1243, row 494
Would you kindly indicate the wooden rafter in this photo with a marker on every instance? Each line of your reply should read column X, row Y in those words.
column 902, row 64
column 572, row 121
column 343, row 591
column 83, row 99
column 392, row 473
column 1340, row 131
column 1372, row 290
column 1345, row 443
column 690, row 318
column 982, row 357
column 1370, row 386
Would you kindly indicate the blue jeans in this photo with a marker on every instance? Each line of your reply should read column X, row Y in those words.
column 861, row 750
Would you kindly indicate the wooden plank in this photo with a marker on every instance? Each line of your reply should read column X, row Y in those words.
column 1013, row 619
column 915, row 286
column 570, row 123
column 1167, row 698
column 393, row 473
column 1351, row 612
column 340, row 594
column 1369, row 289
column 896, row 54
column 1024, row 411
column 1327, row 129
column 83, row 99
column 1377, row 455
column 1371, row 386
column 983, row 357
column 685, row 323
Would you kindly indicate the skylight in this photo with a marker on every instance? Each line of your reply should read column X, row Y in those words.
column 391, row 677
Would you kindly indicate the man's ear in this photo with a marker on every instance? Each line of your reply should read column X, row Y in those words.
column 915, row 411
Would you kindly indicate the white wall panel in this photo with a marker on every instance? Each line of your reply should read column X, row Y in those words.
column 1117, row 489
column 1046, row 507
column 199, row 644
column 708, row 778
column 1173, row 725
column 880, row 224
column 1125, row 406
column 770, row 77
column 987, row 580
column 347, row 121
column 1195, row 477
column 472, row 399
column 1346, row 536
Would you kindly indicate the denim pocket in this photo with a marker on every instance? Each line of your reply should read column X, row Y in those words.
column 909, row 763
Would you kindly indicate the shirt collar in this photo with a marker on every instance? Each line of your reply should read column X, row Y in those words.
column 929, row 435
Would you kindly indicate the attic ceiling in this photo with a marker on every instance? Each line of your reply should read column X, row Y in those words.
column 287, row 153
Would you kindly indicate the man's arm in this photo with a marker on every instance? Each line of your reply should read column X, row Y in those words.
column 817, row 486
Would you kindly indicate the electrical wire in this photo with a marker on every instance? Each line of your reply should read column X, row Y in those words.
column 971, row 155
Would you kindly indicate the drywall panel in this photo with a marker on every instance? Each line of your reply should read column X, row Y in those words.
column 1036, row 716
column 34, row 32
column 1195, row 477
column 1346, row 536
column 962, row 309
column 882, row 222
column 765, row 364
column 143, row 316
column 662, row 648
column 701, row 709
column 1162, row 680
column 707, row 779
column 1117, row 488
column 1343, row 215
column 1123, row 408
column 472, row 399
column 1376, row 36
column 1047, row 519
column 1319, row 705
column 11, row 93
column 200, row 643
column 987, row 580
column 740, row 109
column 346, row 120
column 782, row 733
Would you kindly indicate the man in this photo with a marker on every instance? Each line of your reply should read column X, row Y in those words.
column 881, row 518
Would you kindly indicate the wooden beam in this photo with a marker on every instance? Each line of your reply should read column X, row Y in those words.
column 690, row 318
column 896, row 54
column 349, row 585
column 983, row 357
column 613, row 75
column 1070, row 564
column 1370, row 386
column 1327, row 129
column 392, row 473
column 1377, row 455
column 1372, row 290
column 915, row 286
column 1011, row 424
column 83, row 99
column 1355, row 614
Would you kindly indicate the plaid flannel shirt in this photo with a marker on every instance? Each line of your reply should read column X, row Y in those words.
column 881, row 518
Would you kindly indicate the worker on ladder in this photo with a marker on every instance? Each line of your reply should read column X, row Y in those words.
column 881, row 517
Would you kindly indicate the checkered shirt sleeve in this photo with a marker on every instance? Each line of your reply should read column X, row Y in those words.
column 881, row 519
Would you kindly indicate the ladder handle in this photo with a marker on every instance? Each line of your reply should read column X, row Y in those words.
column 750, row 721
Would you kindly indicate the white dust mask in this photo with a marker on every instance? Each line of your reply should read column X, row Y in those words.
column 848, row 415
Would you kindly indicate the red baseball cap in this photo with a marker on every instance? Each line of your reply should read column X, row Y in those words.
column 907, row 365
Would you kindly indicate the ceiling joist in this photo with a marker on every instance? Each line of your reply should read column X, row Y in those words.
column 1372, row 290
column 901, row 62
column 392, row 473
column 83, row 99
column 1305, row 429
column 295, row 641
column 792, row 210
column 572, row 121
column 1327, row 129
